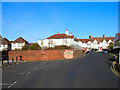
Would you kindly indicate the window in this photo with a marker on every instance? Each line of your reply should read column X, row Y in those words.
column 3, row 45
column 20, row 44
column 64, row 41
column 14, row 45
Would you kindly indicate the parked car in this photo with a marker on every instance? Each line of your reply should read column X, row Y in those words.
column 88, row 52
column 99, row 51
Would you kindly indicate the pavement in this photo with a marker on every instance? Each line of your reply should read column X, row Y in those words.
column 90, row 71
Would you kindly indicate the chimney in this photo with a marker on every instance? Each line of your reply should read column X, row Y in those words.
column 57, row 32
column 66, row 32
column 71, row 34
column 89, row 36
column 103, row 36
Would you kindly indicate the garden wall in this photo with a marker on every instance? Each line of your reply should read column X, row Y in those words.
column 39, row 55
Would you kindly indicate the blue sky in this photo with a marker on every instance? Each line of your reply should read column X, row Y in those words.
column 39, row 20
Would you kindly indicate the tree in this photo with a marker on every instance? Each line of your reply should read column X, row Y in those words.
column 35, row 46
column 110, row 46
column 25, row 47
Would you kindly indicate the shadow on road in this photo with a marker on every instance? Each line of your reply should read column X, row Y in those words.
column 111, row 59
column 109, row 64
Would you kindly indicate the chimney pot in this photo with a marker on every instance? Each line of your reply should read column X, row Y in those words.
column 66, row 32
column 71, row 34
column 103, row 36
column 89, row 36
column 57, row 32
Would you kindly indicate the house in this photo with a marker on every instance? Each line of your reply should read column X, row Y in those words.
column 5, row 44
column 57, row 40
column 101, row 42
column 83, row 43
column 117, row 41
column 19, row 43
column 94, row 42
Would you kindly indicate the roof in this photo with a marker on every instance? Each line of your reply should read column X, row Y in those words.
column 118, row 34
column 99, row 39
column 83, row 40
column 5, row 41
column 58, row 36
column 109, row 38
column 19, row 40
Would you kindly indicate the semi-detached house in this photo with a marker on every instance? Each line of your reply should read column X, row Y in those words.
column 95, row 42
column 19, row 43
column 5, row 44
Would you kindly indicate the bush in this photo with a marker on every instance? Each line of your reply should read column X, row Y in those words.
column 63, row 47
column 25, row 47
column 59, row 47
column 35, row 46
column 110, row 47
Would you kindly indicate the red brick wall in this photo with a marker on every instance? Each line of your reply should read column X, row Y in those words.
column 38, row 55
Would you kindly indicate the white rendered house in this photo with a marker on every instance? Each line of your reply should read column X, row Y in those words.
column 19, row 43
column 84, row 43
column 98, row 42
column 57, row 40
column 5, row 44
column 95, row 42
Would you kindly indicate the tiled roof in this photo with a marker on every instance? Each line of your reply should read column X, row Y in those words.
column 99, row 39
column 12, row 41
column 86, row 40
column 58, row 36
column 19, row 40
column 118, row 34
column 83, row 40
column 109, row 38
column 5, row 41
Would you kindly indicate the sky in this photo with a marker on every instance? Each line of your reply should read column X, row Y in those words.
column 38, row 20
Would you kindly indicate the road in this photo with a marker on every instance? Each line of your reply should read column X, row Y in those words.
column 90, row 71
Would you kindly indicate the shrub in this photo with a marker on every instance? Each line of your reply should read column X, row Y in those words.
column 110, row 47
column 25, row 47
column 63, row 47
column 60, row 47
column 35, row 46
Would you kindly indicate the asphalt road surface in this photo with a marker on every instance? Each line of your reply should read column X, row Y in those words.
column 90, row 71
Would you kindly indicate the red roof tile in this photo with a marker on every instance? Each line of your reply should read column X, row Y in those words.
column 109, row 38
column 99, row 39
column 86, row 40
column 83, row 40
column 58, row 36
column 118, row 34
column 20, row 40
column 5, row 41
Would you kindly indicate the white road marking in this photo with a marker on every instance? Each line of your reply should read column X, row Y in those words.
column 12, row 84
column 4, row 84
column 28, row 73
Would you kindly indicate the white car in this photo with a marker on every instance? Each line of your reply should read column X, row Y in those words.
column 99, row 51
